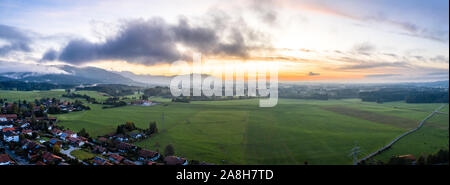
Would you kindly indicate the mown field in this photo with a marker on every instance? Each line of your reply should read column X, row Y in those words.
column 239, row 132
column 433, row 136
column 32, row 95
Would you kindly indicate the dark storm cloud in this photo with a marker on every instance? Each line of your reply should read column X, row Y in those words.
column 16, row 40
column 50, row 55
column 154, row 41
column 138, row 41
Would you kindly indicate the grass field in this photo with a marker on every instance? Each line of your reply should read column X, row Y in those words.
column 57, row 93
column 29, row 95
column 82, row 155
column 239, row 132
column 430, row 138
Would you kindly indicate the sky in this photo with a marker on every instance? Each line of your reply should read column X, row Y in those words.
column 308, row 40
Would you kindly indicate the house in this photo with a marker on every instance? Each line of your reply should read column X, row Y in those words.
column 408, row 157
column 12, row 129
column 121, row 137
column 98, row 149
column 54, row 141
column 135, row 135
column 174, row 160
column 56, row 132
column 25, row 125
column 142, row 103
column 148, row 155
column 128, row 162
column 115, row 158
column 10, row 136
column 5, row 160
column 75, row 141
column 69, row 133
column 32, row 147
column 28, row 132
column 8, row 117
column 40, row 163
column 100, row 161
column 5, row 125
column 50, row 158
column 125, row 147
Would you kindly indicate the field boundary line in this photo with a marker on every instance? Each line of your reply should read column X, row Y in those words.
column 401, row 136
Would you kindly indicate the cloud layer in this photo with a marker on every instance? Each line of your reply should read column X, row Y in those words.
column 155, row 41
column 15, row 38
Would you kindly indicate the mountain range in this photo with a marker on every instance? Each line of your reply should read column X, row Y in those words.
column 87, row 75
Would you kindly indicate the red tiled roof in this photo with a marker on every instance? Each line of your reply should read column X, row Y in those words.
column 147, row 153
column 8, row 116
column 174, row 160
column 49, row 156
column 117, row 157
column 8, row 129
column 409, row 156
column 125, row 146
column 4, row 158
column 40, row 163
column 27, row 131
column 102, row 139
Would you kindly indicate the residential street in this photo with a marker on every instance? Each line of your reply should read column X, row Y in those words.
column 19, row 160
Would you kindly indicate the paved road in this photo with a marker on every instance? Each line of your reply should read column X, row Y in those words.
column 67, row 152
column 401, row 136
column 19, row 160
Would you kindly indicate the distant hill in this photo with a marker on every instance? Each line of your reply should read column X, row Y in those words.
column 151, row 80
column 30, row 86
column 441, row 84
column 74, row 76
column 2, row 78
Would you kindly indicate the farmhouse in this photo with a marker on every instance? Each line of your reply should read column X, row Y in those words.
column 125, row 147
column 174, row 160
column 142, row 103
column 148, row 155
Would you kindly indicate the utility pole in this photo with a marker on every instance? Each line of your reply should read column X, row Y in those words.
column 354, row 153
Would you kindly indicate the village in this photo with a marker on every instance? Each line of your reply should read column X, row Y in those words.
column 30, row 137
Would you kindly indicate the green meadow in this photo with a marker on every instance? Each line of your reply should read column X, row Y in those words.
column 239, row 132
column 294, row 131
column 29, row 95
column 432, row 137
